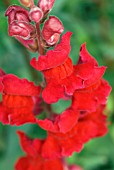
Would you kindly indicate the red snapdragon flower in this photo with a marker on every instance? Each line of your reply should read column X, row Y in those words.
column 89, row 126
column 62, row 78
column 19, row 97
column 89, row 98
column 85, row 100
column 33, row 159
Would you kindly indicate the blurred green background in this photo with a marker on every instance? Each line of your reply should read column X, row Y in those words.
column 91, row 21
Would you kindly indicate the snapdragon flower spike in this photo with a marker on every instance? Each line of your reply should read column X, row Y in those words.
column 20, row 27
column 36, row 14
column 46, row 5
column 62, row 78
column 33, row 159
column 88, row 127
column 52, row 30
column 18, row 100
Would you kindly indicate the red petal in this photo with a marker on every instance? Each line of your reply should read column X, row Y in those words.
column 14, row 85
column 17, row 110
column 64, row 43
column 51, row 164
column 23, row 163
column 90, row 98
column 51, row 149
column 62, row 123
column 56, row 57
column 50, row 60
column 60, row 72
column 53, row 92
column 89, row 73
column 31, row 147
column 3, row 114
column 85, row 57
column 88, row 127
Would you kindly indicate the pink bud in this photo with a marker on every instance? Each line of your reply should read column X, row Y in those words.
column 46, row 5
column 17, row 13
column 21, row 29
column 26, row 3
column 52, row 29
column 75, row 167
column 36, row 14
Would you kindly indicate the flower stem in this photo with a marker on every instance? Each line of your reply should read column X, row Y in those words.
column 40, row 45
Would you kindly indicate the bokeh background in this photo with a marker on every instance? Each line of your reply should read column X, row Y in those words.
column 91, row 21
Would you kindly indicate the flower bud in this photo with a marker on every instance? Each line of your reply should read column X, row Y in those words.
column 21, row 29
column 52, row 29
column 36, row 14
column 17, row 13
column 46, row 5
column 26, row 3
column 75, row 167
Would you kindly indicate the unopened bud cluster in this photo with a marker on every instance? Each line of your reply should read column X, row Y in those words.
column 23, row 24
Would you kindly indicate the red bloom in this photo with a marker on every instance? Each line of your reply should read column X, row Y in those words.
column 61, row 77
column 18, row 100
column 89, row 126
column 84, row 100
column 88, row 99
column 33, row 159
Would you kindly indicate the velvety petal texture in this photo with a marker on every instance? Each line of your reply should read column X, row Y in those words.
column 61, row 123
column 88, row 127
column 88, row 99
column 54, row 58
column 33, row 159
column 62, row 78
column 18, row 100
